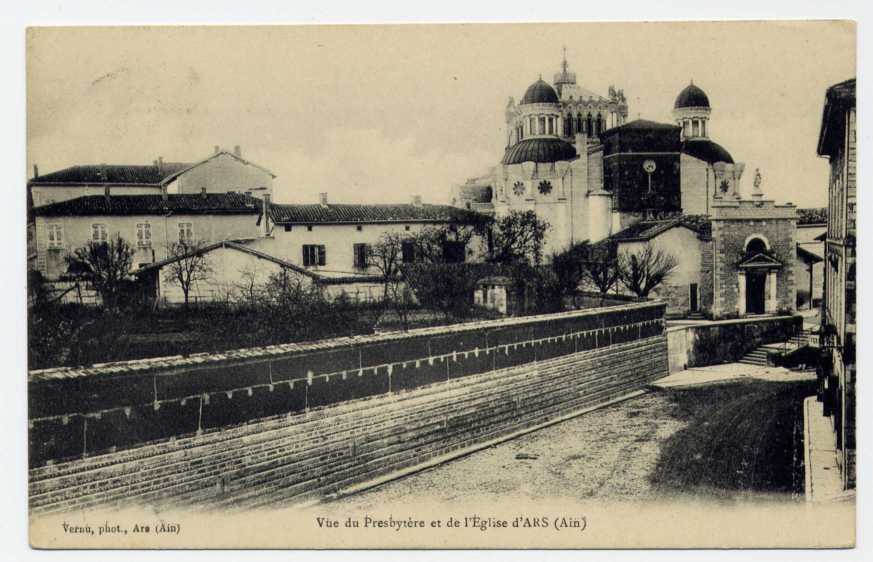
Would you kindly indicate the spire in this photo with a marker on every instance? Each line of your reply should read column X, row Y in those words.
column 564, row 62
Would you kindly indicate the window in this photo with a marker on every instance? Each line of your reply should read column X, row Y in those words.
column 313, row 254
column 98, row 232
column 695, row 128
column 288, row 228
column 55, row 236
column 406, row 228
column 551, row 123
column 541, row 130
column 703, row 128
column 144, row 235
column 454, row 252
column 308, row 228
column 407, row 250
column 545, row 187
column 361, row 252
column 359, row 228
column 685, row 128
column 186, row 232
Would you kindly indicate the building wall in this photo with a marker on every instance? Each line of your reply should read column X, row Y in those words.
column 840, row 294
column 164, row 229
column 731, row 227
column 233, row 276
column 339, row 241
column 222, row 174
column 696, row 185
column 684, row 245
column 565, row 207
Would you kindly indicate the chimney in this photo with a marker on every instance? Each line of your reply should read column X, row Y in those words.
column 106, row 193
column 416, row 200
column 160, row 164
column 237, row 151
column 216, row 149
column 35, row 171
column 322, row 199
column 203, row 192
column 265, row 220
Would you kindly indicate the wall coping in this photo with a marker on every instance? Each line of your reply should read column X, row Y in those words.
column 279, row 350
column 730, row 322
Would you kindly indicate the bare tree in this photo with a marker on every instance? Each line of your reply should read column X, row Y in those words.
column 644, row 270
column 602, row 267
column 386, row 256
column 106, row 265
column 189, row 265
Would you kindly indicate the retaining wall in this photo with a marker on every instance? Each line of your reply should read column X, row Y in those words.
column 726, row 341
column 291, row 422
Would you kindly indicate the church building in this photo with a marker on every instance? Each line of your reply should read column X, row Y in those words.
column 573, row 157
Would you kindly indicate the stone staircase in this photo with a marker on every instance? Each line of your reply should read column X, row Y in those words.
column 758, row 356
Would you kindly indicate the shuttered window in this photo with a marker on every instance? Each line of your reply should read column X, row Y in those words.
column 98, row 233
column 55, row 236
column 314, row 254
column 144, row 235
column 361, row 252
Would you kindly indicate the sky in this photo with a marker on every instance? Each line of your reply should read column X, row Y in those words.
column 381, row 113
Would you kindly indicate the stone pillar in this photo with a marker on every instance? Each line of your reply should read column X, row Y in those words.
column 772, row 301
column 741, row 299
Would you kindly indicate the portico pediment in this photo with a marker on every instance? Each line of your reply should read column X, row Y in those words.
column 760, row 261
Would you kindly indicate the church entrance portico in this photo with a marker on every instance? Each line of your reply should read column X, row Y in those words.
column 757, row 285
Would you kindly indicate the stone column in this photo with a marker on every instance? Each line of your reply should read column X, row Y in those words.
column 741, row 299
column 772, row 302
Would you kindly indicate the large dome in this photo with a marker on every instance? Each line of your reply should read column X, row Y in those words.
column 691, row 96
column 540, row 92
column 706, row 150
column 539, row 150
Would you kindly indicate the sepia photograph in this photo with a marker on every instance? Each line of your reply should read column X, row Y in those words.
column 510, row 285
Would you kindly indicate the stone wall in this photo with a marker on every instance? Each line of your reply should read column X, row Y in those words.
column 726, row 341
column 307, row 419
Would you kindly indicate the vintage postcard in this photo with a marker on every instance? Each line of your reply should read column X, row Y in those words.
column 557, row 285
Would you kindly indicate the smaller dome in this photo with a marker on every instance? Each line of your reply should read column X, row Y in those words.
column 540, row 92
column 691, row 96
column 542, row 150
column 706, row 150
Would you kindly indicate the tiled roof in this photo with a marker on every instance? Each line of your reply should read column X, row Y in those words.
column 812, row 216
column 646, row 230
column 111, row 174
column 209, row 203
column 351, row 213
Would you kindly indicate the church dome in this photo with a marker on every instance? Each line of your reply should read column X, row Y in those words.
column 706, row 150
column 540, row 92
column 539, row 150
column 691, row 96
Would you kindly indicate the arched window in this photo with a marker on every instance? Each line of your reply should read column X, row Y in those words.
column 568, row 126
column 756, row 246
column 599, row 123
column 589, row 123
column 542, row 128
column 695, row 128
column 579, row 127
column 703, row 128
